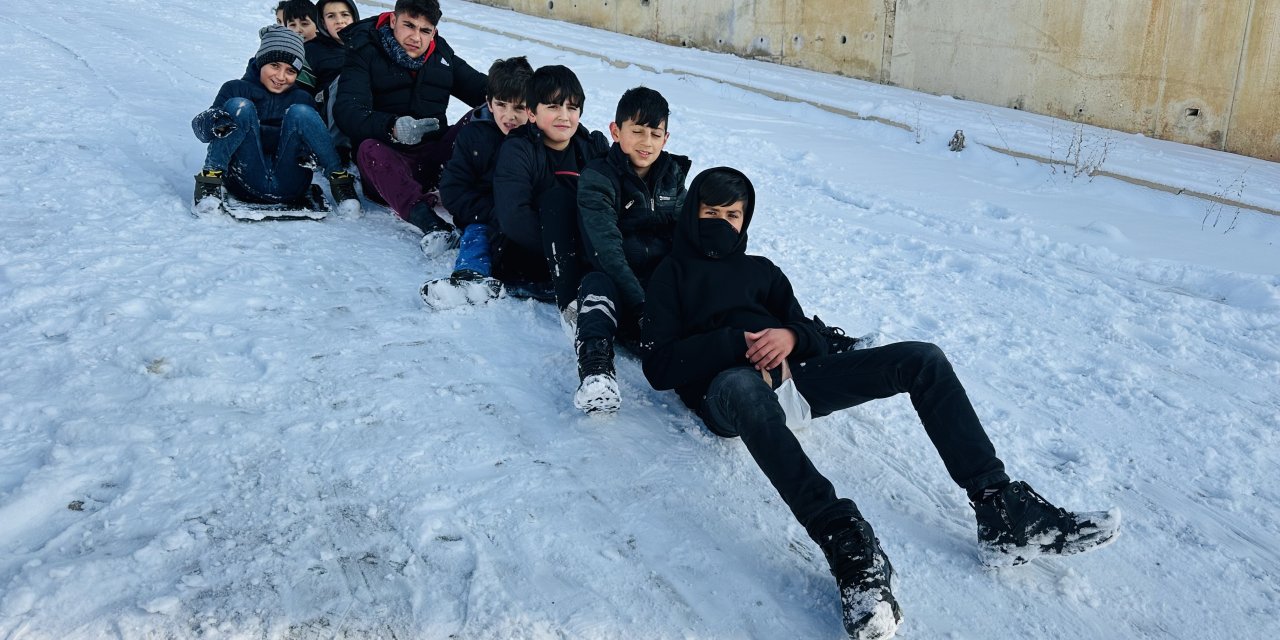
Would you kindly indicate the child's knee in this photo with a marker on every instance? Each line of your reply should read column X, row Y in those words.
column 301, row 112
column 242, row 109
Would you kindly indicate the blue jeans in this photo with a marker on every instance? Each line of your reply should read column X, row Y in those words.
column 473, row 250
column 253, row 175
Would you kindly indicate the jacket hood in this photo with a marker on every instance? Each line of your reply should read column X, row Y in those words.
column 355, row 16
column 687, row 242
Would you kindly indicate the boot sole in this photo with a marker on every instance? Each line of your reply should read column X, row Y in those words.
column 598, row 394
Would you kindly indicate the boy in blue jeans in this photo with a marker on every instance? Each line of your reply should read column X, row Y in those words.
column 262, row 129
column 627, row 207
column 724, row 329
column 466, row 185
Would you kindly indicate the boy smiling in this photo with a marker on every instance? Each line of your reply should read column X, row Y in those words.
column 535, row 187
column 627, row 206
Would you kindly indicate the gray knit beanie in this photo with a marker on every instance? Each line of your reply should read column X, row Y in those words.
column 279, row 44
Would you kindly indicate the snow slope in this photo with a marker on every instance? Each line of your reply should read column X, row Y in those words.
column 226, row 430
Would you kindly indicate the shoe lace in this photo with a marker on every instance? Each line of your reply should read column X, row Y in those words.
column 595, row 357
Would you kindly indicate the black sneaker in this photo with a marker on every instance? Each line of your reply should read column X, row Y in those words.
column 1017, row 524
column 863, row 575
column 209, row 185
column 342, row 186
column 598, row 385
column 837, row 341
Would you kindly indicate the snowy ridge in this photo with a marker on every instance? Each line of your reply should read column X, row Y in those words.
column 228, row 430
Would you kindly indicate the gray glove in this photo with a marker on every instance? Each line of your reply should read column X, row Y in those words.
column 409, row 130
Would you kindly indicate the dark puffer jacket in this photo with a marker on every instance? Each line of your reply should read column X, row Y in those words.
column 466, row 186
column 523, row 173
column 375, row 90
column 628, row 225
column 698, row 308
column 270, row 107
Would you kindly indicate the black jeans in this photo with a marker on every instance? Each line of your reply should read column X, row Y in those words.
column 739, row 403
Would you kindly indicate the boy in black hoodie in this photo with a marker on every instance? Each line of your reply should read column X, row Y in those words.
column 535, row 187
column 627, row 207
column 724, row 329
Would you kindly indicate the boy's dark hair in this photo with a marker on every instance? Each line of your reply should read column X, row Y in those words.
column 429, row 9
column 298, row 9
column 554, row 84
column 508, row 79
column 644, row 106
column 719, row 188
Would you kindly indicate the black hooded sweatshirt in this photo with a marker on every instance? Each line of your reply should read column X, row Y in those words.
column 697, row 308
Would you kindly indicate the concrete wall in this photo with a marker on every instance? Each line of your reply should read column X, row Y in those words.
column 1203, row 72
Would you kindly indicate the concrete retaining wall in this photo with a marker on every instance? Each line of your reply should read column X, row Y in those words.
column 1203, row 72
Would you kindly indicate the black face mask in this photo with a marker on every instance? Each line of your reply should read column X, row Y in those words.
column 716, row 237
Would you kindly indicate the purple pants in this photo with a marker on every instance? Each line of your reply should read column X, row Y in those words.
column 402, row 177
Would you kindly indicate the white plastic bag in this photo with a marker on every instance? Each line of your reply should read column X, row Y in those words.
column 793, row 404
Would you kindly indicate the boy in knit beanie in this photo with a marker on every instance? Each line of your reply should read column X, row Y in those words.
column 262, row 128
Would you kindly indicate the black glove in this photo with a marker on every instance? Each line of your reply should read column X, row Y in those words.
column 221, row 124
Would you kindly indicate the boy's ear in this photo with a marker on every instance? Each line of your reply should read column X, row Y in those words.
column 614, row 131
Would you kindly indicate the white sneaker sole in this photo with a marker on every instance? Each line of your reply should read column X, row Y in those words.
column 598, row 394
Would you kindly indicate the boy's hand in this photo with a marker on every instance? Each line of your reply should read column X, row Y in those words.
column 769, row 348
column 409, row 130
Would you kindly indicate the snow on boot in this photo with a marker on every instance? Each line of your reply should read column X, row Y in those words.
column 598, row 388
column 342, row 186
column 208, row 196
column 1016, row 525
column 863, row 575
column 464, row 287
column 436, row 242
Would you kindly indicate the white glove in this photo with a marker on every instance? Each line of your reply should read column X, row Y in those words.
column 409, row 130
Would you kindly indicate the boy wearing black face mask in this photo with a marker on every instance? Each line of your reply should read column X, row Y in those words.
column 723, row 328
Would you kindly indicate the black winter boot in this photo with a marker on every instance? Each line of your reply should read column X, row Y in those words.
column 863, row 574
column 837, row 341
column 598, row 387
column 208, row 185
column 342, row 186
column 1016, row 524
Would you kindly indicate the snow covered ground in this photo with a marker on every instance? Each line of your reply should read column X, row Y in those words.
column 226, row 430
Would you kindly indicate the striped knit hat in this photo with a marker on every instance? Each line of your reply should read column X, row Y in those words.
column 279, row 44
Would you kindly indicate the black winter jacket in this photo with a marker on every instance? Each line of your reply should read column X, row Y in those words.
column 466, row 185
column 627, row 225
column 522, row 173
column 375, row 90
column 698, row 309
column 270, row 107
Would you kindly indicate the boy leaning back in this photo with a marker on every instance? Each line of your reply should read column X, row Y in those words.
column 535, row 188
column 466, row 186
column 627, row 207
column 723, row 328
column 260, row 130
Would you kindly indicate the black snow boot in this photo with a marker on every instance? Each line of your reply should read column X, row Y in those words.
column 342, row 185
column 209, row 185
column 863, row 575
column 837, row 341
column 1016, row 524
column 598, row 386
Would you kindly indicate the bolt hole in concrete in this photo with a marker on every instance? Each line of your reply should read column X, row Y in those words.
column 844, row 39
column 551, row 5
column 1193, row 112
